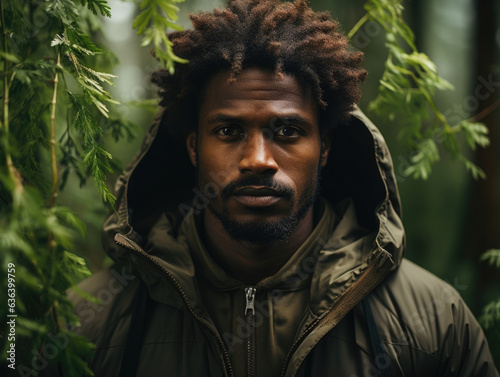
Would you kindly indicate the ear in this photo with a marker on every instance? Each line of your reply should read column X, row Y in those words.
column 191, row 147
column 325, row 148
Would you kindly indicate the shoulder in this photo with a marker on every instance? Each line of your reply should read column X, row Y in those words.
column 421, row 303
column 418, row 289
column 417, row 307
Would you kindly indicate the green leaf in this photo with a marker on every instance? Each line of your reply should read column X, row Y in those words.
column 170, row 9
column 93, row 91
column 64, row 10
column 152, row 23
column 84, row 121
column 98, row 7
column 10, row 57
column 74, row 265
column 451, row 144
column 141, row 21
column 475, row 170
column 29, row 325
column 86, row 295
column 67, row 216
column 426, row 154
column 475, row 134
column 492, row 256
column 81, row 42
column 96, row 159
column 491, row 316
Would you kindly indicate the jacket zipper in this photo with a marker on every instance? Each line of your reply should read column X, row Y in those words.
column 131, row 245
column 373, row 275
column 250, row 315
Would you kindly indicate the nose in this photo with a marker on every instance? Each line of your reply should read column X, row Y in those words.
column 257, row 155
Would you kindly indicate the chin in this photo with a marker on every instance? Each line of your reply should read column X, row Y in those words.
column 260, row 230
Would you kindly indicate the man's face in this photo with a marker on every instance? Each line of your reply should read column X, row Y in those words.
column 258, row 153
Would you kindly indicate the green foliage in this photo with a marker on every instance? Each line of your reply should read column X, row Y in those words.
column 492, row 256
column 95, row 158
column 406, row 93
column 490, row 317
column 97, row 7
column 54, row 112
column 152, row 23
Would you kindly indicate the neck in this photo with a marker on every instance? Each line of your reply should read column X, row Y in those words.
column 252, row 262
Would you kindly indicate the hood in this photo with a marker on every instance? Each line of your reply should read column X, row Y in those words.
column 160, row 177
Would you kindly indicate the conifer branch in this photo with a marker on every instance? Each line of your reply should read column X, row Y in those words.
column 55, row 177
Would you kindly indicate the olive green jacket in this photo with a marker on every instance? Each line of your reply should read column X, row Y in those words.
column 424, row 326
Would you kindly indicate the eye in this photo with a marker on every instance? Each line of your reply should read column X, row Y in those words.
column 228, row 132
column 287, row 132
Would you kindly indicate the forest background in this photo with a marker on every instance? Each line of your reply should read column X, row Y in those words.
column 450, row 218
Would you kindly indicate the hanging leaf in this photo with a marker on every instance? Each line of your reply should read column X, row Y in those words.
column 152, row 23
column 98, row 7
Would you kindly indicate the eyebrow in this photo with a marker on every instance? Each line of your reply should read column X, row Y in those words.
column 292, row 118
column 221, row 118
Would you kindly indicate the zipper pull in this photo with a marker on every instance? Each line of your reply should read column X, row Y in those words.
column 250, row 296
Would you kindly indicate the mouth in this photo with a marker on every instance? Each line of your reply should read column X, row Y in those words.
column 257, row 191
column 257, row 196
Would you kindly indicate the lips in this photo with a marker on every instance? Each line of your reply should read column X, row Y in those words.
column 255, row 196
column 257, row 191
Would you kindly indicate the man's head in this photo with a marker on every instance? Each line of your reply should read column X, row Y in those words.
column 264, row 83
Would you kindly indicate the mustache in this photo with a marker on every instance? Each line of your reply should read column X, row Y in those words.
column 283, row 190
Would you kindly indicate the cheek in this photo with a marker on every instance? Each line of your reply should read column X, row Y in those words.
column 307, row 176
column 214, row 171
column 221, row 159
column 302, row 167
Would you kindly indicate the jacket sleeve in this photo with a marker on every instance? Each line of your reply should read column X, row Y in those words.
column 465, row 350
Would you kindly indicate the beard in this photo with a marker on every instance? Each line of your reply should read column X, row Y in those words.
column 267, row 231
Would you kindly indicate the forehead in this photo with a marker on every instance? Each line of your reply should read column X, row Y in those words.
column 257, row 90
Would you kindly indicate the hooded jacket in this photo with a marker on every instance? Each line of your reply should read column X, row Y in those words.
column 154, row 316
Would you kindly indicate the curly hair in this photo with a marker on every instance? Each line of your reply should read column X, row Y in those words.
column 287, row 37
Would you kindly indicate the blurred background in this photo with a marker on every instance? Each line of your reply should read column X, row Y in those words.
column 450, row 219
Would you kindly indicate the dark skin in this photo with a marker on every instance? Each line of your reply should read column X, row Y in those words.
column 261, row 125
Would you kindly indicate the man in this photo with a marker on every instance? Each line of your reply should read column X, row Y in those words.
column 242, row 268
